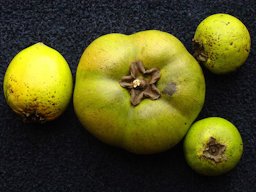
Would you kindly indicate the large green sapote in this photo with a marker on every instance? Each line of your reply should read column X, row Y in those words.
column 140, row 92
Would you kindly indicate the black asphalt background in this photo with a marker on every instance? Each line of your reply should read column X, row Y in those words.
column 62, row 155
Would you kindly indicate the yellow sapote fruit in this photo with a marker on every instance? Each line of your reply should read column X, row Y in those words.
column 222, row 43
column 213, row 146
column 38, row 83
column 140, row 92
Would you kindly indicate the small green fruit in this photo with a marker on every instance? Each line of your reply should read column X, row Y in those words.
column 213, row 146
column 38, row 83
column 222, row 43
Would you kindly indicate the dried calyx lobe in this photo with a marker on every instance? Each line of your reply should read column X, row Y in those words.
column 141, row 83
column 199, row 52
column 33, row 117
column 214, row 151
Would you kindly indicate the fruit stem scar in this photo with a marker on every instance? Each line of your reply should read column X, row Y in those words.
column 136, row 83
column 141, row 83
column 32, row 117
column 214, row 151
column 199, row 52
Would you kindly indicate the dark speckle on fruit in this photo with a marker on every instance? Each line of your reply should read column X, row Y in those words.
column 10, row 89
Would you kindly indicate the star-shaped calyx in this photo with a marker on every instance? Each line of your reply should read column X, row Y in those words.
column 214, row 151
column 141, row 83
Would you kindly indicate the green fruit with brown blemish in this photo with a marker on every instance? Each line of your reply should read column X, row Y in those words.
column 222, row 43
column 213, row 146
column 38, row 83
column 140, row 92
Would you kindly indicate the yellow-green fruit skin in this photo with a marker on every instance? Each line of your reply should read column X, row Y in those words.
column 224, row 42
column 195, row 143
column 104, row 108
column 38, row 83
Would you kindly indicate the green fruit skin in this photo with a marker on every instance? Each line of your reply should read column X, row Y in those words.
column 198, row 136
column 104, row 108
column 226, row 42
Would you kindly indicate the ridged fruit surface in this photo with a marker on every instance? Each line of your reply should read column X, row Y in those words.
column 140, row 92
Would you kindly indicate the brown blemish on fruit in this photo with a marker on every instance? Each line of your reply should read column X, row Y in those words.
column 170, row 89
column 38, row 112
column 9, row 89
column 214, row 151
